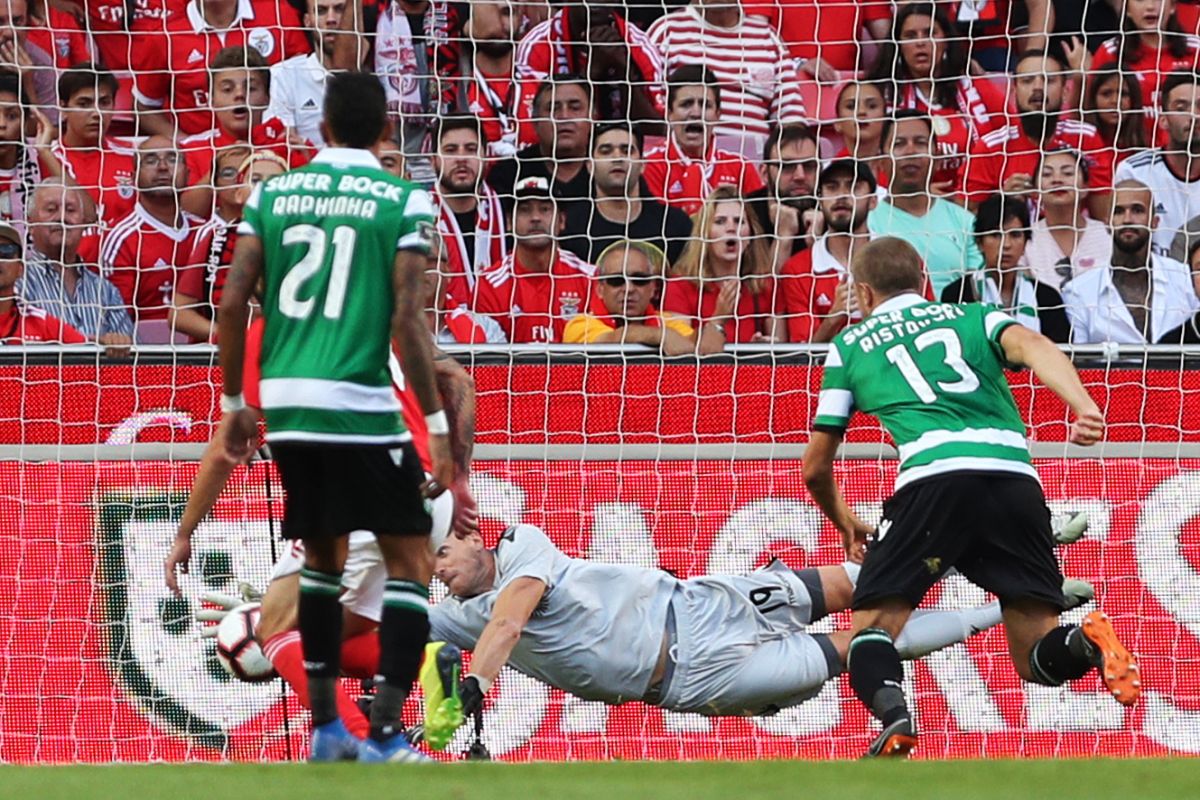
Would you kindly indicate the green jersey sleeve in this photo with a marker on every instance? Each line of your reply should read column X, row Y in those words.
column 416, row 226
column 995, row 323
column 836, row 401
column 251, row 223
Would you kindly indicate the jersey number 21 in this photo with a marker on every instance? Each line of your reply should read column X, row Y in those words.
column 317, row 241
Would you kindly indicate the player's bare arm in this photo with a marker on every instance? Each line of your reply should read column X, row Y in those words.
column 214, row 472
column 818, row 477
column 240, row 434
column 415, row 352
column 514, row 606
column 1052, row 367
column 457, row 389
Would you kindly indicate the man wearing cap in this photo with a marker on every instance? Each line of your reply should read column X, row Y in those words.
column 627, row 275
column 55, row 278
column 817, row 299
column 19, row 323
column 535, row 290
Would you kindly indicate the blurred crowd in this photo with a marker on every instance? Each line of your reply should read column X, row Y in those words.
column 667, row 175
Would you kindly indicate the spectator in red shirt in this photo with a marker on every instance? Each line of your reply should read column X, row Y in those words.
column 537, row 289
column 595, row 40
column 723, row 278
column 240, row 91
column 171, row 79
column 23, row 324
column 119, row 27
column 861, row 109
column 98, row 164
column 823, row 36
column 470, row 217
column 685, row 170
column 815, row 290
column 490, row 92
column 139, row 253
column 1114, row 105
column 453, row 322
column 1151, row 45
column 924, row 66
column 1007, row 159
column 198, row 290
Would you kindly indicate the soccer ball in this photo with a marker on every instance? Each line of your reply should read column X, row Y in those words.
column 237, row 649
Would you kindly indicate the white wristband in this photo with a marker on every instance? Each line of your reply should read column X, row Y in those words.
column 437, row 423
column 232, row 403
column 484, row 683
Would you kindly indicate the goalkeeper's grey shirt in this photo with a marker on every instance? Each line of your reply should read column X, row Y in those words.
column 597, row 631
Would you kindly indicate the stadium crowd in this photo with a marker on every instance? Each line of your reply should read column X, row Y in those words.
column 660, row 174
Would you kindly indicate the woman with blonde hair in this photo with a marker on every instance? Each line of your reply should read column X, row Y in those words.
column 724, row 277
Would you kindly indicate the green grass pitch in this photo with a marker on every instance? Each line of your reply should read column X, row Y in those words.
column 1095, row 779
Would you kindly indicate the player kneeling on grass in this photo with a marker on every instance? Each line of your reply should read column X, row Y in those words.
column 714, row 645
column 966, row 496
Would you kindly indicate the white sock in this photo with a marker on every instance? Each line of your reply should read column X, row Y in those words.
column 927, row 631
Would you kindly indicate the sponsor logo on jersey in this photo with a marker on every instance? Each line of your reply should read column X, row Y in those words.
column 195, row 56
column 310, row 103
column 262, row 41
column 676, row 188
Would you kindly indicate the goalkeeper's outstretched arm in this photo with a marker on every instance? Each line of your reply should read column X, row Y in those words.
column 511, row 612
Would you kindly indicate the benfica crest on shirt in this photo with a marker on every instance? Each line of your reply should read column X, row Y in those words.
column 154, row 651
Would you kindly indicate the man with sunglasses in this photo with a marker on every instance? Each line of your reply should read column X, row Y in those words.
column 628, row 275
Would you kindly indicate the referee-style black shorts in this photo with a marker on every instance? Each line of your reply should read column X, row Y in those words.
column 993, row 527
column 335, row 489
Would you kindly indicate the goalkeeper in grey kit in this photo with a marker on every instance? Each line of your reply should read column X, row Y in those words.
column 719, row 645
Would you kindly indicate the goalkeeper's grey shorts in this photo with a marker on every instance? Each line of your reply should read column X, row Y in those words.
column 740, row 648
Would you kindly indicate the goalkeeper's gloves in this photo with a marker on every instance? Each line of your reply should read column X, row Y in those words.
column 471, row 692
column 226, row 603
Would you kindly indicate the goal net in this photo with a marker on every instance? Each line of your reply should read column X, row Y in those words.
column 621, row 453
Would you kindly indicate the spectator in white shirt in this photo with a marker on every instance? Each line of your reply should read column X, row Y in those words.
column 1188, row 332
column 1065, row 242
column 1172, row 172
column 298, row 83
column 759, row 84
column 1142, row 295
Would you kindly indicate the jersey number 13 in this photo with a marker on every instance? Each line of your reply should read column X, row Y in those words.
column 899, row 355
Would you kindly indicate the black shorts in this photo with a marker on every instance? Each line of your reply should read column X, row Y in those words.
column 993, row 527
column 335, row 489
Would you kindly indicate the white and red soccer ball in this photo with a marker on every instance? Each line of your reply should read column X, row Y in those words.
column 238, row 650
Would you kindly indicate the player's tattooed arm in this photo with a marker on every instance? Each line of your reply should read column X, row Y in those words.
column 457, row 388
column 232, row 317
column 410, row 331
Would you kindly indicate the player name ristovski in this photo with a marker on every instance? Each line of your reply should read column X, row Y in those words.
column 892, row 326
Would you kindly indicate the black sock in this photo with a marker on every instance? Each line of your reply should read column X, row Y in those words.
column 1062, row 655
column 403, row 632
column 321, row 638
column 877, row 676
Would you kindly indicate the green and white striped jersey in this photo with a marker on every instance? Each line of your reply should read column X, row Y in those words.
column 330, row 231
column 933, row 373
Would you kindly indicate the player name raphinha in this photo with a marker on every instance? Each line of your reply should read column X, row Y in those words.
column 344, row 204
column 891, row 326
